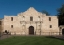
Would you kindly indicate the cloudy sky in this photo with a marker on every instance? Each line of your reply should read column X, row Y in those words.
column 13, row 7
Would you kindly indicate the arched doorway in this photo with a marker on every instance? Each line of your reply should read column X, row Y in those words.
column 62, row 31
column 31, row 30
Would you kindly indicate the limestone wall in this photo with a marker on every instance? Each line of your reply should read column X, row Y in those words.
column 41, row 23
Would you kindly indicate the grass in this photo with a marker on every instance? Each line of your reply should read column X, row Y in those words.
column 31, row 40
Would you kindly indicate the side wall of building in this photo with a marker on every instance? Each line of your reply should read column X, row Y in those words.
column 50, row 26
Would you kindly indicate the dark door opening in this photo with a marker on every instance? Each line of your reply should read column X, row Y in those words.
column 31, row 30
column 62, row 31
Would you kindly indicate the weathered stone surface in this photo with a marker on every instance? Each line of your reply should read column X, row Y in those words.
column 21, row 23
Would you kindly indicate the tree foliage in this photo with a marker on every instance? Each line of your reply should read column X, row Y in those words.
column 0, row 28
column 61, row 15
column 45, row 12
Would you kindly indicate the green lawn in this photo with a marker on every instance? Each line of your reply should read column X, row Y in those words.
column 31, row 40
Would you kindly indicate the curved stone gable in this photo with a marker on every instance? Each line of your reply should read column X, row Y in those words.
column 32, row 12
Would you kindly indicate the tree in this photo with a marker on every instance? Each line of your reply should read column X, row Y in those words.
column 0, row 27
column 45, row 12
column 0, row 30
column 61, row 15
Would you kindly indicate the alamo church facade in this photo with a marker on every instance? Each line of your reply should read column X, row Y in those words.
column 31, row 22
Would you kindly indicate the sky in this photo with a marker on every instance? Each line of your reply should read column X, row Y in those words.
column 13, row 7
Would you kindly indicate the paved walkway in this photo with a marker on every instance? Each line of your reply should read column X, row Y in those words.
column 59, row 37
column 5, row 36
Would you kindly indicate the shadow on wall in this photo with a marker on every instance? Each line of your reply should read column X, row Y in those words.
column 63, row 32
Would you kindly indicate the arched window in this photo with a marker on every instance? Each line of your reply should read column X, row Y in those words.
column 11, row 18
column 49, row 18
column 31, row 18
column 50, row 26
column 11, row 26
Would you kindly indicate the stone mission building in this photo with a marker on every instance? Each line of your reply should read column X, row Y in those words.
column 31, row 22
